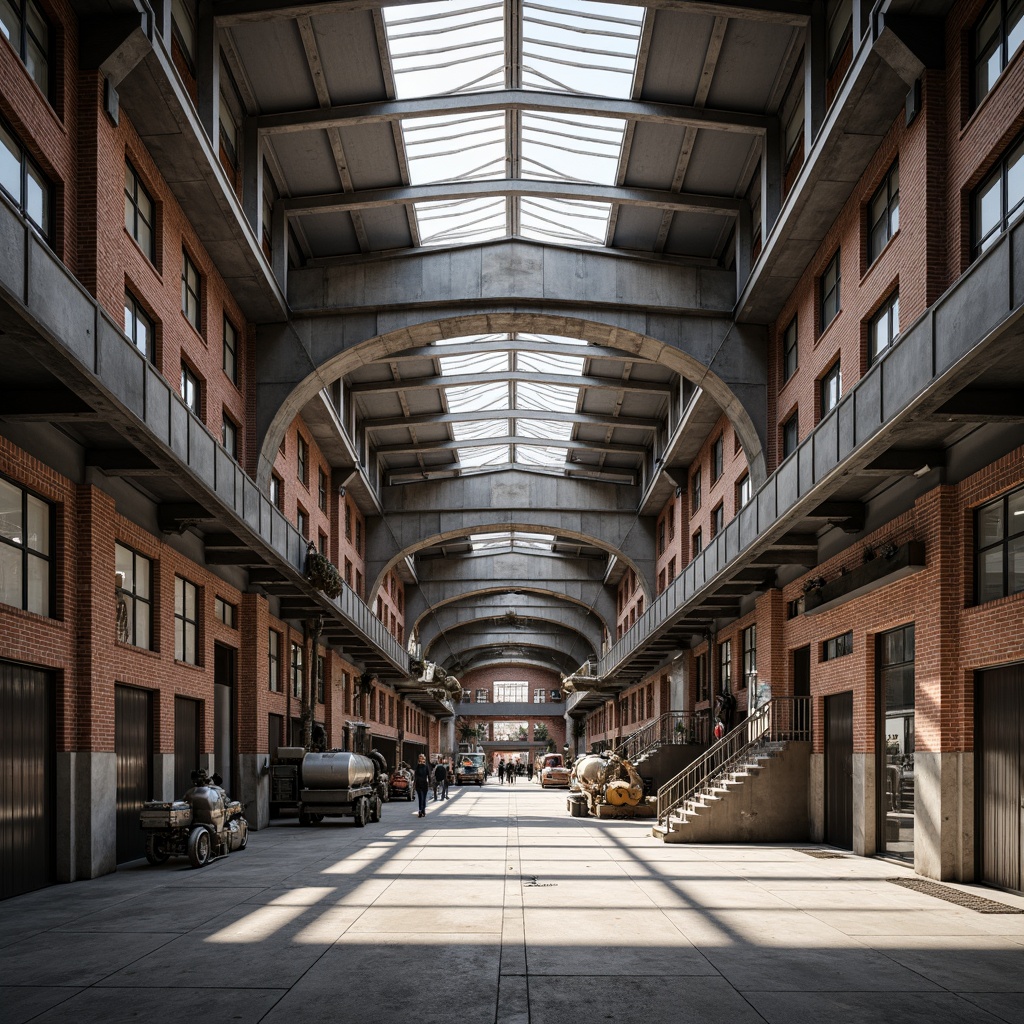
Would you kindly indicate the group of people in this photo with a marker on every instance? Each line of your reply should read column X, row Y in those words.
column 436, row 777
column 511, row 770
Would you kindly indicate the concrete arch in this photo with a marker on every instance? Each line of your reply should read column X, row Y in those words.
column 545, row 656
column 537, row 632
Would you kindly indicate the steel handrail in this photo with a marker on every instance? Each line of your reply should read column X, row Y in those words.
column 781, row 719
column 673, row 727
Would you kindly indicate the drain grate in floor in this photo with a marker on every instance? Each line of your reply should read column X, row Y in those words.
column 961, row 899
column 823, row 854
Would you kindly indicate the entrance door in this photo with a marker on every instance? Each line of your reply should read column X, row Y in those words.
column 999, row 723
column 133, row 746
column 224, row 715
column 802, row 688
column 839, row 770
column 894, row 661
column 186, row 743
column 26, row 779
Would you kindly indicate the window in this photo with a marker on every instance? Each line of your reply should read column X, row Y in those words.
column 831, row 388
column 481, row 697
column 829, row 301
column 794, row 133
column 321, row 670
column 296, row 670
column 671, row 518
column 789, row 351
column 183, row 29
column 750, row 656
column 348, row 571
column 717, row 458
column 661, row 538
column 23, row 181
column 226, row 613
column 556, row 696
column 837, row 647
column 884, row 328
column 134, row 575
column 744, row 491
column 186, row 621
column 190, row 390
column 190, row 292
column 516, row 691
column 321, row 543
column 790, row 435
column 884, row 213
column 540, row 696
column 998, row 199
column 999, row 547
column 302, row 522
column 838, row 21
column 348, row 522
column 321, row 489
column 671, row 569
column 701, row 671
column 695, row 495
column 276, row 491
column 302, row 460
column 228, row 129
column 725, row 666
column 24, row 26
column 359, row 537
column 698, row 543
column 717, row 519
column 229, row 437
column 795, row 607
column 138, row 211
column 139, row 327
column 997, row 37
column 230, row 357
column 274, row 660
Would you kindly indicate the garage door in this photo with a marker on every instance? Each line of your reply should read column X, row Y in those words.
column 26, row 779
column 133, row 743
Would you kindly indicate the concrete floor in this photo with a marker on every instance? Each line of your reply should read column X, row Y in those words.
column 498, row 908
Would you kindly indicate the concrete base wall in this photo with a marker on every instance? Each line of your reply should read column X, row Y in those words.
column 86, row 824
column 865, row 800
column 769, row 807
column 253, row 789
column 816, row 797
column 163, row 778
column 668, row 761
column 944, row 815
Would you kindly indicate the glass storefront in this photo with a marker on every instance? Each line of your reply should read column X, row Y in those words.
column 895, row 662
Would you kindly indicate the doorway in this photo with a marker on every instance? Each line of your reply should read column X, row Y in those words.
column 224, row 715
column 133, row 747
column 186, row 744
column 802, row 688
column 894, row 660
column 839, row 770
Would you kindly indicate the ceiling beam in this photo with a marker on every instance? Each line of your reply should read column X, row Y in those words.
column 346, row 202
column 984, row 405
column 378, row 387
column 178, row 516
column 427, row 446
column 469, row 348
column 589, row 418
column 905, row 460
column 54, row 404
column 122, row 462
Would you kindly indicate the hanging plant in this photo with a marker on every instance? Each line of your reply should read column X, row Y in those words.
column 322, row 573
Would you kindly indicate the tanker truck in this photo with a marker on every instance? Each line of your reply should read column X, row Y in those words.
column 335, row 783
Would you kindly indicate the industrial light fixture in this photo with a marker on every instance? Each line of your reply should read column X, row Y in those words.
column 923, row 471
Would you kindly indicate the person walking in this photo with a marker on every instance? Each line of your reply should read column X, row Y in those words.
column 440, row 775
column 448, row 773
column 421, row 780
column 501, row 771
column 511, row 772
column 529, row 771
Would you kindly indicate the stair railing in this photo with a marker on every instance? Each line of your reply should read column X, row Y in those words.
column 781, row 719
column 673, row 727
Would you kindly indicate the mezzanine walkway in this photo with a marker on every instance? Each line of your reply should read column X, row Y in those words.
column 498, row 908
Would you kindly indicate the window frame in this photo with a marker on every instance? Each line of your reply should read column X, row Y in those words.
column 178, row 32
column 830, row 388
column 189, row 270
column 132, row 203
column 229, row 353
column 749, row 638
column 837, row 646
column 998, row 174
column 134, row 308
column 26, row 553
column 229, row 431
column 828, row 293
column 190, row 378
column 296, row 669
column 717, row 519
column 273, row 661
column 182, row 587
column 744, row 491
column 717, row 459
column 134, row 601
column 46, row 47
column 225, row 612
column 21, row 201
column 302, row 460
column 791, row 426
column 696, row 497
column 321, row 489
column 725, row 666
column 998, row 42
column 1003, row 544
column 889, row 216
column 889, row 311
column 788, row 348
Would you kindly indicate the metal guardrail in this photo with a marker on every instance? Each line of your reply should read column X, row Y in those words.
column 782, row 719
column 676, row 727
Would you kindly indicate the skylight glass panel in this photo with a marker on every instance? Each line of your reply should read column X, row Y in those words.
column 463, row 147
column 485, row 541
column 581, row 47
column 539, row 455
column 566, row 221
column 491, row 455
column 446, row 222
column 476, row 429
column 546, row 397
column 544, row 430
column 581, row 148
column 544, row 362
column 473, row 339
column 485, row 361
column 445, row 48
column 511, row 538
column 551, row 339
column 489, row 397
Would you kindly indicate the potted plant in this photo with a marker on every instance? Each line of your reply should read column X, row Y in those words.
column 322, row 573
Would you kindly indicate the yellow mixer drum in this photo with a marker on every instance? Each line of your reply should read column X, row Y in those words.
column 635, row 795
column 617, row 793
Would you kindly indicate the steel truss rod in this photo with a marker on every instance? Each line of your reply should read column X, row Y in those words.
column 516, row 376
column 414, row 447
column 594, row 419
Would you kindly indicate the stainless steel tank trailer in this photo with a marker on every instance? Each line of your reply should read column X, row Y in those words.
column 335, row 783
column 203, row 826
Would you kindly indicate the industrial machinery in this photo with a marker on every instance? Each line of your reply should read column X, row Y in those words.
column 400, row 783
column 203, row 826
column 607, row 786
column 334, row 783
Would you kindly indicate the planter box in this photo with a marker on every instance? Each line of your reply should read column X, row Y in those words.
column 879, row 572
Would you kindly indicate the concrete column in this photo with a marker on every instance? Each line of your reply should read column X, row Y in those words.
column 865, row 801
column 208, row 73
column 252, row 786
column 944, row 815
column 771, row 179
column 252, row 176
column 279, row 245
column 744, row 243
column 816, row 798
column 86, row 820
column 163, row 776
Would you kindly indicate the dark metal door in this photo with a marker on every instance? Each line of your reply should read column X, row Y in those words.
column 839, row 770
column 224, row 715
column 26, row 779
column 133, row 746
column 186, row 743
column 1000, row 756
column 275, row 726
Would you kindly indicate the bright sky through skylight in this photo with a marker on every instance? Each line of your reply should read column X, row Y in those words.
column 461, row 220
column 510, row 538
column 566, row 221
column 581, row 148
column 466, row 147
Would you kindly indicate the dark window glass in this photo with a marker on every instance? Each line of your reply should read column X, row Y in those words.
column 997, row 37
column 884, row 213
column 302, row 522
column 190, row 390
column 138, row 212
column 186, row 621
column 139, row 328
column 830, row 303
column 190, row 292
column 790, row 435
column 725, row 666
column 24, row 182
column 717, row 458
column 698, row 545
column 26, row 550
column 320, row 673
column 274, row 658
column 837, row 647
column 296, row 670
column 302, row 459
column 750, row 656
column 321, row 489
column 230, row 362
column 276, row 491
column 999, row 547
column 229, row 437
column 24, row 26
column 998, row 199
column 134, row 576
column 884, row 327
column 789, row 351
column 831, row 388
column 695, row 491
column 717, row 520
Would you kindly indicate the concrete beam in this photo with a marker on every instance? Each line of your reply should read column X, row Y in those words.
column 595, row 419
column 547, row 636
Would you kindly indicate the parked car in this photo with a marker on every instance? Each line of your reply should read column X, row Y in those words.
column 400, row 784
column 553, row 771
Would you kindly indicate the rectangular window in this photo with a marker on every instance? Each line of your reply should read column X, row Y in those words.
column 701, row 671
column 186, row 621
column 744, row 491
column 725, row 666
column 139, row 327
column 540, row 696
column 831, row 388
column 837, row 647
column 790, row 435
column 359, row 536
column 794, row 133
column 225, row 612
column 321, row 543
column 717, row 519
column 661, row 538
column 183, row 28
column 789, row 351
column 348, row 522
column 795, row 607
column 884, row 213
column 717, row 458
column 672, row 569
column 134, row 575
column 24, row 182
column 190, row 390
column 321, row 670
column 296, row 670
column 884, row 328
column 829, row 293
column 24, row 26
column 481, row 697
column 515, row 691
column 302, row 522
column 321, row 489
column 230, row 359
column 695, row 489
column 190, row 292
column 138, row 211
column 274, row 660
column 838, row 20
column 276, row 491
column 302, row 460
column 999, row 547
column 698, row 544
column 998, row 199
column 348, row 571
column 229, row 436
column 228, row 130
column 997, row 37
column 750, row 656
